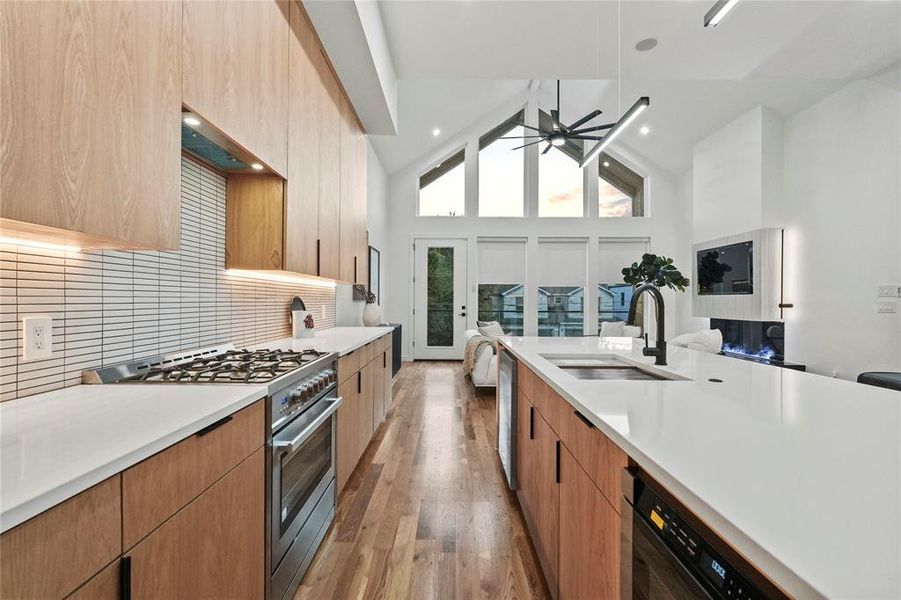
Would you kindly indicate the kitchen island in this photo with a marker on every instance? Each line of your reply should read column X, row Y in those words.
column 798, row 472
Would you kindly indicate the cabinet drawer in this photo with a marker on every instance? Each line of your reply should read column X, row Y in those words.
column 156, row 488
column 366, row 354
column 596, row 454
column 348, row 365
column 53, row 553
column 525, row 380
column 552, row 407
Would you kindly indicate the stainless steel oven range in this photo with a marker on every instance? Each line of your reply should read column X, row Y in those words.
column 300, row 457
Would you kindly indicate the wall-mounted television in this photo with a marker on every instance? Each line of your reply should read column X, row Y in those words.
column 726, row 270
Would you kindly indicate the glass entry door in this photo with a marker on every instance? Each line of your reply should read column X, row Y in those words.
column 440, row 298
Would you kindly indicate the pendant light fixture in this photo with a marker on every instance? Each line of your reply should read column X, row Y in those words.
column 629, row 116
column 718, row 12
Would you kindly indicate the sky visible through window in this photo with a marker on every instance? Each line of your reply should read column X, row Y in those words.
column 502, row 177
column 445, row 196
column 559, row 185
column 612, row 202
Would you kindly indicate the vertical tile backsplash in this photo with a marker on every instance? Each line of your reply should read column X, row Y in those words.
column 114, row 306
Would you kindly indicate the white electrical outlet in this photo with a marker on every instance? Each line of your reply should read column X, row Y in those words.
column 887, row 308
column 889, row 291
column 37, row 337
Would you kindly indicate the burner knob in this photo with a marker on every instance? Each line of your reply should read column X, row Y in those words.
column 296, row 396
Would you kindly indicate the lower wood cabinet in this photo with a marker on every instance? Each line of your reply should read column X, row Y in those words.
column 105, row 585
column 566, row 494
column 589, row 537
column 52, row 554
column 212, row 548
column 364, row 377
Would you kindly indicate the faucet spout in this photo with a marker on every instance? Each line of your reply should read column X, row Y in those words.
column 659, row 351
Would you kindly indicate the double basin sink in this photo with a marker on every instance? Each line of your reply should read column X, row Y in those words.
column 607, row 367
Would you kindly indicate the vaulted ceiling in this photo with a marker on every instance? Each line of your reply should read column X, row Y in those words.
column 458, row 60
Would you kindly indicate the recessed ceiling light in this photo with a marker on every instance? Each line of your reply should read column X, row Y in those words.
column 192, row 121
column 606, row 164
column 257, row 167
column 645, row 130
column 436, row 132
column 646, row 44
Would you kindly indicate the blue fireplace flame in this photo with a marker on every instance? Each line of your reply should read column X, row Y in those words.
column 765, row 351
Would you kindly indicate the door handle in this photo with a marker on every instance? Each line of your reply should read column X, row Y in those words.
column 463, row 314
column 292, row 444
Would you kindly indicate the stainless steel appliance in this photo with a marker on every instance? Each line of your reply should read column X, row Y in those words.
column 300, row 461
column 668, row 553
column 506, row 414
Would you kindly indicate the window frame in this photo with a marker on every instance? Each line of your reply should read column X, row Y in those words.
column 447, row 157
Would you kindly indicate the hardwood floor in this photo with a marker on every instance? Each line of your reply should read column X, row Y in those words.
column 427, row 514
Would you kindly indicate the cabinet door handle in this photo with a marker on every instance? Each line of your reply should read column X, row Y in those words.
column 531, row 422
column 359, row 382
column 582, row 418
column 355, row 269
column 557, row 463
column 125, row 578
column 213, row 426
column 384, row 360
column 318, row 256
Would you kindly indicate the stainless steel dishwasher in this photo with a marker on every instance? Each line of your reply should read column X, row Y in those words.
column 506, row 414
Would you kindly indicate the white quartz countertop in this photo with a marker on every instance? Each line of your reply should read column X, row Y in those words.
column 801, row 473
column 342, row 340
column 57, row 444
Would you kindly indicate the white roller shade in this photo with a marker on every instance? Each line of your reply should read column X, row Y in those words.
column 562, row 262
column 502, row 261
column 616, row 254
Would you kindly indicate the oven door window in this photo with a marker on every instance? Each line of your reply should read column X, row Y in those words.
column 302, row 470
column 656, row 573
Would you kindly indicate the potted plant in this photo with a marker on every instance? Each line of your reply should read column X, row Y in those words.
column 657, row 270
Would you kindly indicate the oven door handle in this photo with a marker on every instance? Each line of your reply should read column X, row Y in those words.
column 289, row 446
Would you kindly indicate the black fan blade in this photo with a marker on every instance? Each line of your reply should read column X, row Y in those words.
column 532, row 128
column 598, row 128
column 529, row 144
column 520, row 137
column 548, row 149
column 584, row 137
column 585, row 119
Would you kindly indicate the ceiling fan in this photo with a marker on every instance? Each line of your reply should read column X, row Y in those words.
column 560, row 133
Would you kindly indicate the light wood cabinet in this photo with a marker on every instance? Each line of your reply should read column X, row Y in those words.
column 353, row 236
column 524, row 455
column 347, row 431
column 312, row 211
column 589, row 560
column 50, row 555
column 105, row 585
column 378, row 393
column 365, row 414
column 254, row 213
column 235, row 72
column 601, row 459
column 154, row 489
column 546, row 497
column 91, row 112
column 212, row 548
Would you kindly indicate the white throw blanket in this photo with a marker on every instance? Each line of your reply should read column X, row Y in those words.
column 710, row 340
column 472, row 349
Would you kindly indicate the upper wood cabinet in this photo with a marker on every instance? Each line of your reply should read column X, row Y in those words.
column 254, row 222
column 90, row 151
column 236, row 72
column 354, row 240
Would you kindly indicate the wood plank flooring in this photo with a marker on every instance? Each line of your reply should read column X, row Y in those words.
column 427, row 514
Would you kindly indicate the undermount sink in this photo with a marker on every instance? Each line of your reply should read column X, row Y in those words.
column 608, row 368
column 612, row 372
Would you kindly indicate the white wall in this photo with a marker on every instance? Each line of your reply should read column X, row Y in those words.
column 737, row 176
column 664, row 203
column 843, row 224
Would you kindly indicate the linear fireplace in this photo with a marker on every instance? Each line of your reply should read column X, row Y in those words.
column 758, row 341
